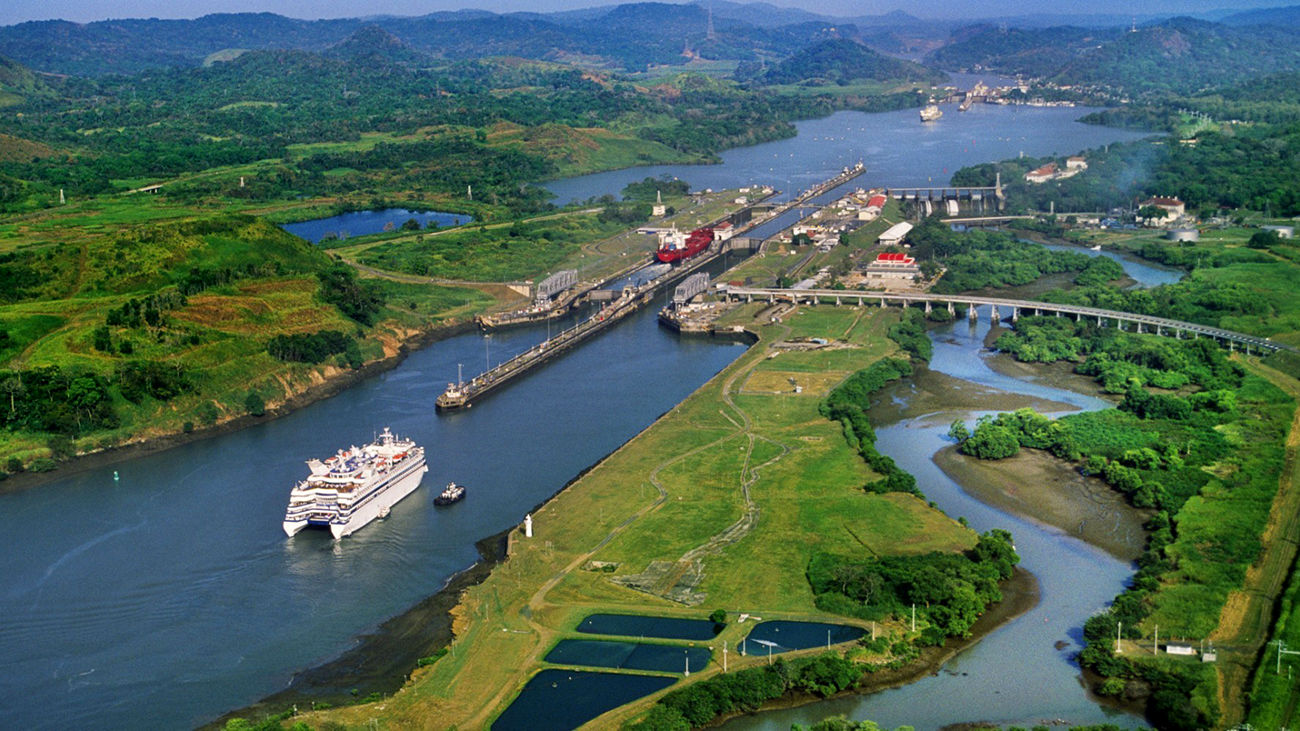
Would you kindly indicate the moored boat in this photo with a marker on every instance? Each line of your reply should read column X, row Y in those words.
column 931, row 112
column 355, row 486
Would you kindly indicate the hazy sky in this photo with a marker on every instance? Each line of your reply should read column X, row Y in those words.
column 17, row 11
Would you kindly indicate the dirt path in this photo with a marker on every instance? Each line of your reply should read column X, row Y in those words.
column 538, row 601
column 1247, row 616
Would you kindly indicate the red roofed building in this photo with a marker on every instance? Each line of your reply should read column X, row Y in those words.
column 1170, row 205
column 893, row 266
column 1041, row 175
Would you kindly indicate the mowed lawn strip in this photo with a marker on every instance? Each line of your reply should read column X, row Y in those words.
column 801, row 475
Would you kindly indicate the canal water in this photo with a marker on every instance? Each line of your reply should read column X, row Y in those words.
column 896, row 148
column 171, row 595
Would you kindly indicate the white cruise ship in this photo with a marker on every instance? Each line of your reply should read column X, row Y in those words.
column 355, row 486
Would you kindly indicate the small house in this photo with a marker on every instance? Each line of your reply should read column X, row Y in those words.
column 895, row 235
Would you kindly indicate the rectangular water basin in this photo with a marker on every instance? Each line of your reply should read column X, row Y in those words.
column 629, row 655
column 639, row 625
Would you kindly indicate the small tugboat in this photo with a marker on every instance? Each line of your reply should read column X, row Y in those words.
column 453, row 493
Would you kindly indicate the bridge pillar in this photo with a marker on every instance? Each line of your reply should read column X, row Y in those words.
column 1078, row 317
column 1232, row 345
column 1038, row 312
column 1139, row 328
column 973, row 313
column 1099, row 322
column 882, row 302
column 749, row 298
column 993, row 313
column 837, row 300
column 952, row 310
column 1015, row 314
column 927, row 307
column 1058, row 313
column 1159, row 331
column 771, row 299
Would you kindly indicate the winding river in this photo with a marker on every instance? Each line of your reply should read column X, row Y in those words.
column 170, row 595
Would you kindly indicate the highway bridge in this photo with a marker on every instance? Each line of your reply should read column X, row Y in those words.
column 1012, row 308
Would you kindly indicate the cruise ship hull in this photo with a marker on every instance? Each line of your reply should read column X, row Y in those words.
column 369, row 508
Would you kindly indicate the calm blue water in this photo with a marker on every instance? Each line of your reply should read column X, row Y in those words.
column 636, row 625
column 629, row 655
column 360, row 223
column 895, row 147
column 557, row 700
column 781, row 636
column 171, row 596
column 1145, row 273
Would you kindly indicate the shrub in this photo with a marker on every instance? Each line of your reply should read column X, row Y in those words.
column 41, row 464
column 254, row 404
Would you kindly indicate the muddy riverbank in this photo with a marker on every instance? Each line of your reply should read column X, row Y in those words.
column 1038, row 486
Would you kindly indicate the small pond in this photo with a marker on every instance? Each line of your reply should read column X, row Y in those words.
column 629, row 656
column 638, row 625
column 559, row 700
column 360, row 223
column 781, row 636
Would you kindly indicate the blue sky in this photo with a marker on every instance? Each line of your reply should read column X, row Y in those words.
column 16, row 11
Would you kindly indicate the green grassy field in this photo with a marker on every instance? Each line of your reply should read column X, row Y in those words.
column 671, row 496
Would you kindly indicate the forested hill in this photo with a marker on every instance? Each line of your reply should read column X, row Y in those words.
column 1036, row 52
column 1186, row 57
column 18, row 83
column 374, row 46
column 1286, row 17
column 1179, row 56
column 841, row 61
column 629, row 37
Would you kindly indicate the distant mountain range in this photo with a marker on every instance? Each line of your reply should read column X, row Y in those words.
column 628, row 37
column 840, row 61
column 1286, row 17
column 1180, row 56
